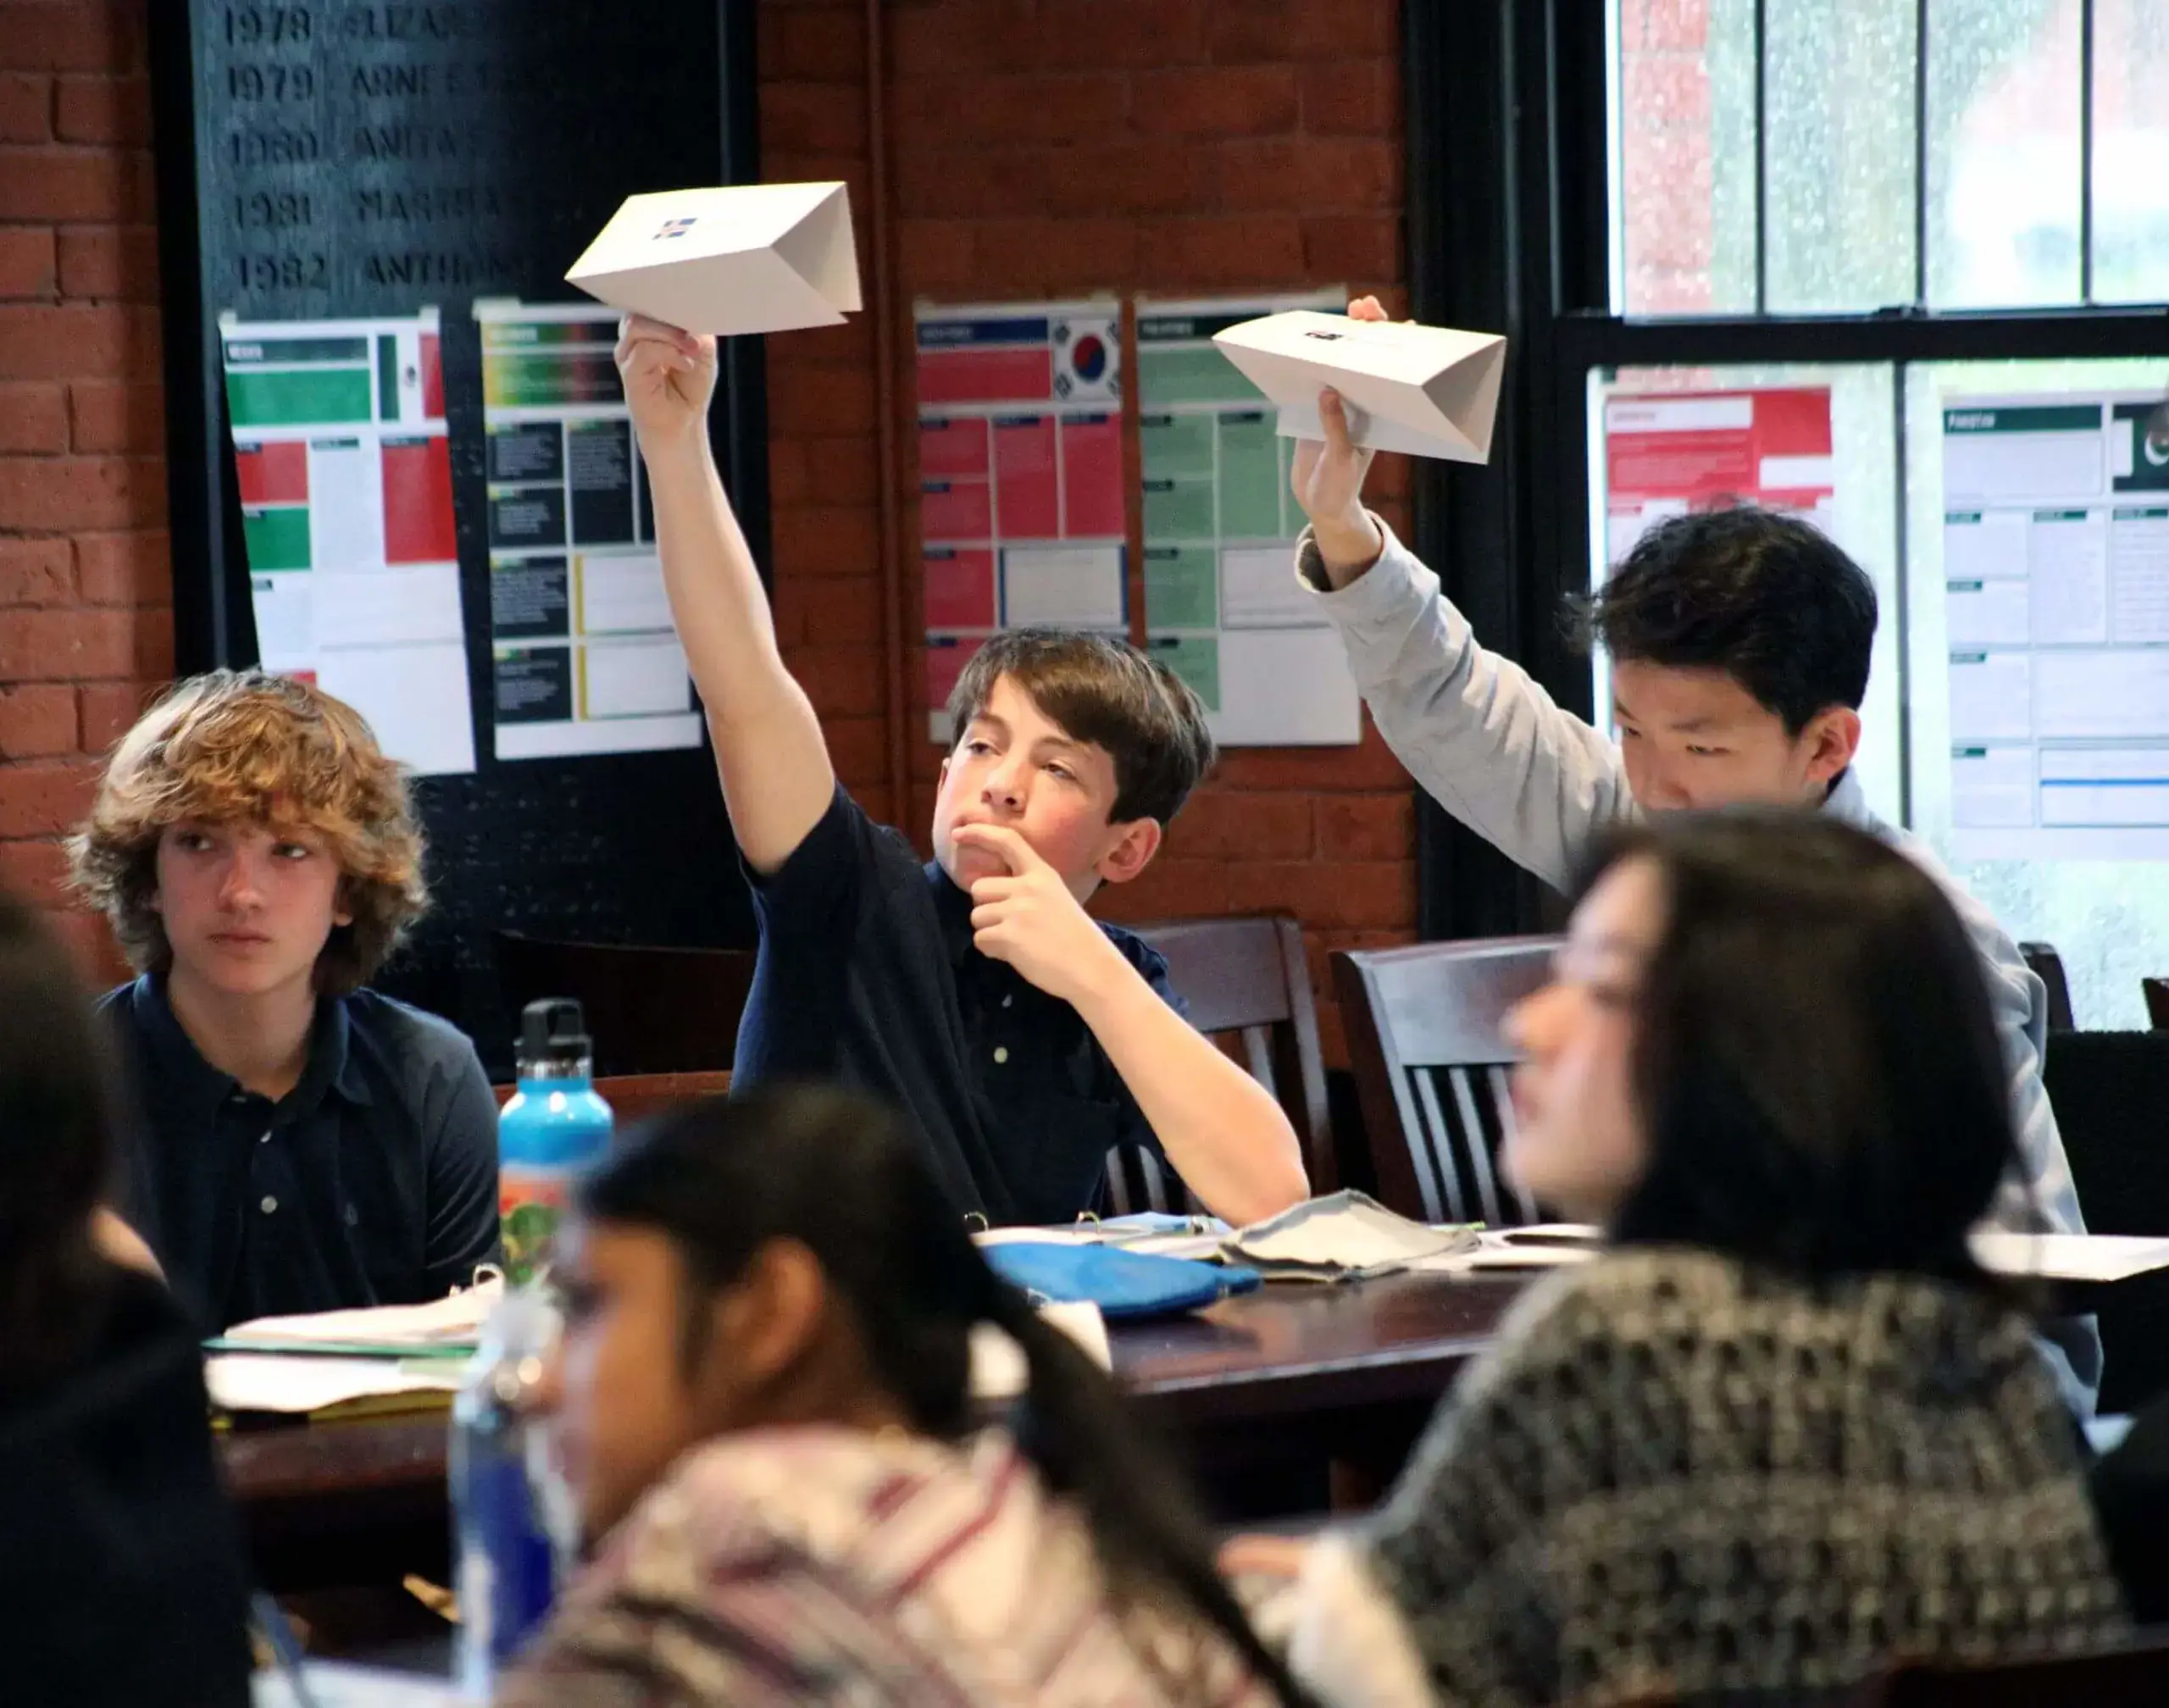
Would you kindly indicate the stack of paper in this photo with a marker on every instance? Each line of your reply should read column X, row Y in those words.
column 453, row 1323
column 385, row 1358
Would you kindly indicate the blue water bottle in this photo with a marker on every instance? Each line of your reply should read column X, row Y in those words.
column 514, row 1529
column 553, row 1129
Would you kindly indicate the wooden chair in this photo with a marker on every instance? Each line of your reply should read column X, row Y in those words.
column 650, row 1010
column 635, row 1096
column 2042, row 958
column 1430, row 1065
column 1245, row 982
column 2156, row 992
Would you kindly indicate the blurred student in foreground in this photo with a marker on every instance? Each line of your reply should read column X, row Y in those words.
column 121, row 1579
column 766, row 1416
column 307, row 1145
column 1784, row 1430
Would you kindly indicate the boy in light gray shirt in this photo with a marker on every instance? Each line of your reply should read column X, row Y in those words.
column 1739, row 642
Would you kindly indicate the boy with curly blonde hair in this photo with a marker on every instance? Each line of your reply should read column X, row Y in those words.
column 304, row 1144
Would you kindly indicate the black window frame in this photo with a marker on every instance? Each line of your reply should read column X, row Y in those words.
column 1510, row 154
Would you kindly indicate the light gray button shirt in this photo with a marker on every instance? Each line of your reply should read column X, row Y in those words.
column 1537, row 783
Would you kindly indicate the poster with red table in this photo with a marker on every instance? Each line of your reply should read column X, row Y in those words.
column 1022, row 520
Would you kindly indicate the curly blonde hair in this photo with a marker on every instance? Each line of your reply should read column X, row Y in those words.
column 248, row 747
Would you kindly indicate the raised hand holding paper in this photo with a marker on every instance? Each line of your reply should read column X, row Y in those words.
column 1427, row 390
column 742, row 259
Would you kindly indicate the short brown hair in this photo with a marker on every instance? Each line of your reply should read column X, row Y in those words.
column 1109, row 694
column 248, row 747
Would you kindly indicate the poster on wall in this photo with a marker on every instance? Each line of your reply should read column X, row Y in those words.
column 345, row 473
column 2055, row 566
column 1021, row 514
column 1669, row 455
column 1223, row 607
column 583, row 656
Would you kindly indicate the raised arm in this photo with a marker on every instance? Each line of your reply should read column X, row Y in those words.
column 1481, row 736
column 770, row 751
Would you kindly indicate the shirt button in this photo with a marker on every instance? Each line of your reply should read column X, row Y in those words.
column 269, row 1204
column 1001, row 1052
column 266, row 1138
column 1008, row 999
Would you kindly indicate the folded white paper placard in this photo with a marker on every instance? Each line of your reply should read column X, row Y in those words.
column 746, row 258
column 1429, row 390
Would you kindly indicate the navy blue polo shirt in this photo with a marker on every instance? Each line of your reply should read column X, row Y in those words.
column 868, row 976
column 372, row 1182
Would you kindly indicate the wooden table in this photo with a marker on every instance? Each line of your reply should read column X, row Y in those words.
column 1252, row 1391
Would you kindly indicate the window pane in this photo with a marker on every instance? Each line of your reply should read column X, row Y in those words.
column 1686, row 151
column 2051, row 579
column 1672, row 450
column 1839, row 104
column 2131, row 151
column 2003, row 152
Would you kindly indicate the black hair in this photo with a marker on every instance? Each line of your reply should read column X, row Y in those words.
column 1105, row 692
column 1815, row 1059
column 1769, row 599
column 57, row 1149
column 840, row 1174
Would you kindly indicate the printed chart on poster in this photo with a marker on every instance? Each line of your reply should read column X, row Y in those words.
column 1223, row 607
column 583, row 657
column 2055, row 565
column 1669, row 455
column 345, row 473
column 1021, row 520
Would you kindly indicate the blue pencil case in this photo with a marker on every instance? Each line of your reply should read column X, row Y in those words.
column 1126, row 1285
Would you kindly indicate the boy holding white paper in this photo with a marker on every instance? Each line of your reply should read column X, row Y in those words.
column 1740, row 641
column 1024, row 1039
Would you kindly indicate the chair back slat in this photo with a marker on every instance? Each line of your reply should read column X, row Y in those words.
column 1503, row 1111
column 1413, row 1014
column 1476, row 1147
column 1444, row 1199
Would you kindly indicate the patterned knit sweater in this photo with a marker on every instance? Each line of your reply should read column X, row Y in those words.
column 1681, row 1478
column 830, row 1565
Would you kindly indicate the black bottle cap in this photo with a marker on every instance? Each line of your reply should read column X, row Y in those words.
column 554, row 1026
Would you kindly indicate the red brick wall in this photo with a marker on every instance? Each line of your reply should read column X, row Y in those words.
column 1208, row 145
column 86, row 589
column 1045, row 147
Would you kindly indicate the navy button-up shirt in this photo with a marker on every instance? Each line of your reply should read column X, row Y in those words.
column 868, row 974
column 372, row 1182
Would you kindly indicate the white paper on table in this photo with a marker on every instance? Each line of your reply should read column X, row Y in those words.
column 998, row 1368
column 2068, row 1256
column 1544, row 1246
column 742, row 259
column 455, row 1320
column 296, row 1383
column 1429, row 390
column 1346, row 1233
